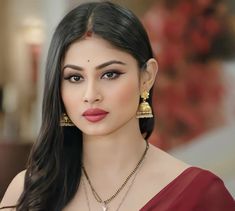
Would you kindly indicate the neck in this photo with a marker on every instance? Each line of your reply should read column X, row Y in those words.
column 112, row 151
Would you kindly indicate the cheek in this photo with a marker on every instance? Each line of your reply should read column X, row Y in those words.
column 128, row 94
column 69, row 98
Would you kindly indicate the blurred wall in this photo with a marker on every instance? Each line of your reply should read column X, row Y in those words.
column 16, row 67
column 2, row 40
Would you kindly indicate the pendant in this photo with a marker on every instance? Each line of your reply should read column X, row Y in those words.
column 104, row 207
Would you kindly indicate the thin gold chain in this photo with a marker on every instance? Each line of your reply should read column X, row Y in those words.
column 129, row 188
column 123, row 198
column 86, row 195
column 94, row 192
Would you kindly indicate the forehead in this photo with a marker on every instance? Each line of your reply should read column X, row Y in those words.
column 95, row 50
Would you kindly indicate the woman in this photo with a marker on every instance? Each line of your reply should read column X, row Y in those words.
column 91, row 152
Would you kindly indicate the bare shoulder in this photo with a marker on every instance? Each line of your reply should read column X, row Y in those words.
column 158, row 171
column 14, row 190
column 166, row 164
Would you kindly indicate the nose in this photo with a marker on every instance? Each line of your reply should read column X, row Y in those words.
column 92, row 93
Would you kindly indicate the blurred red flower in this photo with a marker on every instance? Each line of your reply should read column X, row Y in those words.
column 189, row 91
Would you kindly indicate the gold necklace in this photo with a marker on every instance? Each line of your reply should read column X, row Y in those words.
column 107, row 201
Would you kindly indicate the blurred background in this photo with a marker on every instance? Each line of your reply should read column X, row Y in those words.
column 194, row 95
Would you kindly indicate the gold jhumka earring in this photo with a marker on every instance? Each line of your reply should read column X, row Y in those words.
column 144, row 110
column 65, row 121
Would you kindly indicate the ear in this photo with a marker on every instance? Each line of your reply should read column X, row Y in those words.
column 148, row 75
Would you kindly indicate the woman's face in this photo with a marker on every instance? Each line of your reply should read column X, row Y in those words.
column 100, row 86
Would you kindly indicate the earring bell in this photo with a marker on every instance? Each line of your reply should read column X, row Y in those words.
column 65, row 121
column 144, row 110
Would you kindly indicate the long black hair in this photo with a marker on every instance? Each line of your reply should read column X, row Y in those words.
column 54, row 168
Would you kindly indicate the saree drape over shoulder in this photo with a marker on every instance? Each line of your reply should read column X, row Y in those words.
column 193, row 190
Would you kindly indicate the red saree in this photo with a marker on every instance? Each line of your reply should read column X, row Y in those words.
column 193, row 190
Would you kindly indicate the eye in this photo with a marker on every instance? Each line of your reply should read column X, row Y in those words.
column 74, row 78
column 111, row 75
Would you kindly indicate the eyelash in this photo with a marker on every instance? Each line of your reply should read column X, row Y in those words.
column 72, row 77
column 116, row 73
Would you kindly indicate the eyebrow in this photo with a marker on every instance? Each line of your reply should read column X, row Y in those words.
column 76, row 67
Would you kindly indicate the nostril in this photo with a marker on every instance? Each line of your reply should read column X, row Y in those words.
column 92, row 99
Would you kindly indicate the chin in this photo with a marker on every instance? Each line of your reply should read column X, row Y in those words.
column 96, row 132
column 101, row 131
column 105, row 128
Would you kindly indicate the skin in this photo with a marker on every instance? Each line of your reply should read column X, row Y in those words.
column 114, row 145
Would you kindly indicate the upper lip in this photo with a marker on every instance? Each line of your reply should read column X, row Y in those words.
column 94, row 111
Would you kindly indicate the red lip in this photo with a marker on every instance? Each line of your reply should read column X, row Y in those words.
column 95, row 115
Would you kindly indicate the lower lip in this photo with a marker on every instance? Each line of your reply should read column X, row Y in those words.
column 95, row 118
